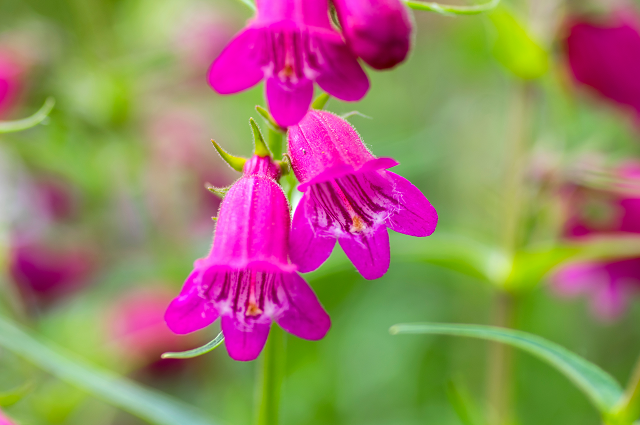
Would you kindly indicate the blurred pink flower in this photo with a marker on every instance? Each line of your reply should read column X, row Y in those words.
column 44, row 273
column 4, row 420
column 137, row 328
column 11, row 74
column 201, row 36
column 609, row 284
column 594, row 212
column 606, row 56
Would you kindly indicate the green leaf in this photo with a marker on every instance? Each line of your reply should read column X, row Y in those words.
column 249, row 3
column 32, row 121
column 11, row 397
column 456, row 253
column 600, row 387
column 209, row 346
column 320, row 101
column 531, row 265
column 515, row 49
column 452, row 10
column 154, row 407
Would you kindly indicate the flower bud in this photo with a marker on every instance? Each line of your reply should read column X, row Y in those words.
column 378, row 31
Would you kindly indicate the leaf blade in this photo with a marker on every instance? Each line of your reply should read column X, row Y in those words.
column 156, row 408
column 452, row 10
column 598, row 385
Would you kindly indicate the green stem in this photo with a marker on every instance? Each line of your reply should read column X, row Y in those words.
column 452, row 10
column 270, row 379
column 499, row 363
column 629, row 409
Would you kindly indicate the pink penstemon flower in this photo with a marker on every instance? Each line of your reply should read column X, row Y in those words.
column 247, row 278
column 349, row 196
column 378, row 31
column 4, row 420
column 290, row 44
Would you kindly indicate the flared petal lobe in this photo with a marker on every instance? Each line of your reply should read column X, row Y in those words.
column 378, row 31
column 289, row 101
column 370, row 253
column 240, row 64
column 299, row 311
column 339, row 72
column 308, row 247
column 190, row 311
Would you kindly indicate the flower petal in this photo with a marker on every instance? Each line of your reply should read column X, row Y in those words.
column 308, row 249
column 244, row 341
column 340, row 74
column 289, row 101
column 189, row 312
column 415, row 215
column 239, row 66
column 301, row 314
column 370, row 254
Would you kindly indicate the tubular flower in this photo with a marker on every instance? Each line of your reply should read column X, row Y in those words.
column 349, row 196
column 290, row 44
column 378, row 31
column 606, row 57
column 247, row 277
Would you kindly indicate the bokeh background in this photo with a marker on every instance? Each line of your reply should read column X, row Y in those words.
column 103, row 211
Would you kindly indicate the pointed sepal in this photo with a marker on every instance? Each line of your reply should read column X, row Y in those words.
column 269, row 119
column 320, row 101
column 235, row 162
column 261, row 148
column 218, row 191
column 285, row 165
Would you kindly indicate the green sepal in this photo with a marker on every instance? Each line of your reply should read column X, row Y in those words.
column 235, row 162
column 285, row 165
column 218, row 191
column 261, row 148
column 209, row 346
column 269, row 119
column 320, row 101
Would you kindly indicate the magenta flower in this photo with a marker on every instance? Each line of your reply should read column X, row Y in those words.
column 290, row 44
column 349, row 196
column 609, row 284
column 378, row 31
column 247, row 278
column 606, row 57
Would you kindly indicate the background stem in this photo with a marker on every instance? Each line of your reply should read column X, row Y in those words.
column 269, row 383
column 499, row 363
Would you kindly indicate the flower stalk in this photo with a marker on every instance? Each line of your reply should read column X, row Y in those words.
column 269, row 382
